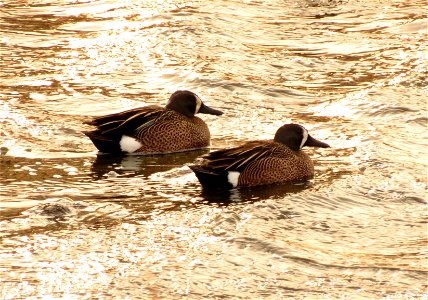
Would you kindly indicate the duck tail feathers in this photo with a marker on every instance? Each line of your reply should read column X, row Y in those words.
column 104, row 144
column 211, row 179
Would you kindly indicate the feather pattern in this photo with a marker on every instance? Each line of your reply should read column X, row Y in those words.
column 158, row 129
column 173, row 128
column 260, row 162
column 126, row 122
column 238, row 158
column 256, row 162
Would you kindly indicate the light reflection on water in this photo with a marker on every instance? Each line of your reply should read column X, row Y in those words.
column 73, row 224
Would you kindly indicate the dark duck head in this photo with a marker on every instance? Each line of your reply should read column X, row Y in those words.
column 189, row 104
column 296, row 137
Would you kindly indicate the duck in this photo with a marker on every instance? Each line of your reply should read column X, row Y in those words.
column 259, row 162
column 153, row 129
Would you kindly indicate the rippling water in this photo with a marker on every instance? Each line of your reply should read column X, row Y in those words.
column 74, row 225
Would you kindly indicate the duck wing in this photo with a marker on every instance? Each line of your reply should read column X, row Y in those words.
column 238, row 158
column 126, row 122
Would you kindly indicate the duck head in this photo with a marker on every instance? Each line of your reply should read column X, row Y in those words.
column 189, row 104
column 295, row 137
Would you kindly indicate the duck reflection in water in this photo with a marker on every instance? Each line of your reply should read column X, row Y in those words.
column 225, row 197
column 141, row 165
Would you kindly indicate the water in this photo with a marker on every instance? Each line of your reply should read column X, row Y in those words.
column 74, row 225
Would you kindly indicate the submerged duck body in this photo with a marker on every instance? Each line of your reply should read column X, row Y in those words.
column 260, row 162
column 154, row 129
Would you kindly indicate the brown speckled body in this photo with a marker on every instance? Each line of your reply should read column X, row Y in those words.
column 173, row 132
column 260, row 162
column 159, row 130
column 281, row 165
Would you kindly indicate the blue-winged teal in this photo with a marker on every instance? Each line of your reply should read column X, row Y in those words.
column 260, row 162
column 153, row 129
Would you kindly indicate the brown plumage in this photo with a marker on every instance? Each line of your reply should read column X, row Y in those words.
column 153, row 129
column 260, row 162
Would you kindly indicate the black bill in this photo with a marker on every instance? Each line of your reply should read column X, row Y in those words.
column 208, row 110
column 311, row 142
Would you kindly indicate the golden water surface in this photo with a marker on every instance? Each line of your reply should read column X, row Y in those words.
column 74, row 225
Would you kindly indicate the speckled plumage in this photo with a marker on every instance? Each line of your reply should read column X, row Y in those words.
column 260, row 162
column 282, row 164
column 173, row 132
column 153, row 128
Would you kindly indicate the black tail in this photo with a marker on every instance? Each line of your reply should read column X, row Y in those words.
column 211, row 180
column 104, row 144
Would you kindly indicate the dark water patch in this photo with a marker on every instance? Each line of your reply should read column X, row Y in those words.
column 145, row 165
column 422, row 121
column 253, row 194
column 392, row 110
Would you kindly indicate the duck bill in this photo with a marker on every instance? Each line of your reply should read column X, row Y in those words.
column 311, row 142
column 208, row 110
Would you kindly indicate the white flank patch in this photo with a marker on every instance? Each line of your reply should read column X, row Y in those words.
column 232, row 177
column 198, row 104
column 305, row 137
column 129, row 144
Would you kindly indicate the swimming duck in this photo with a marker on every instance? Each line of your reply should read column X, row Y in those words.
column 153, row 129
column 260, row 162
